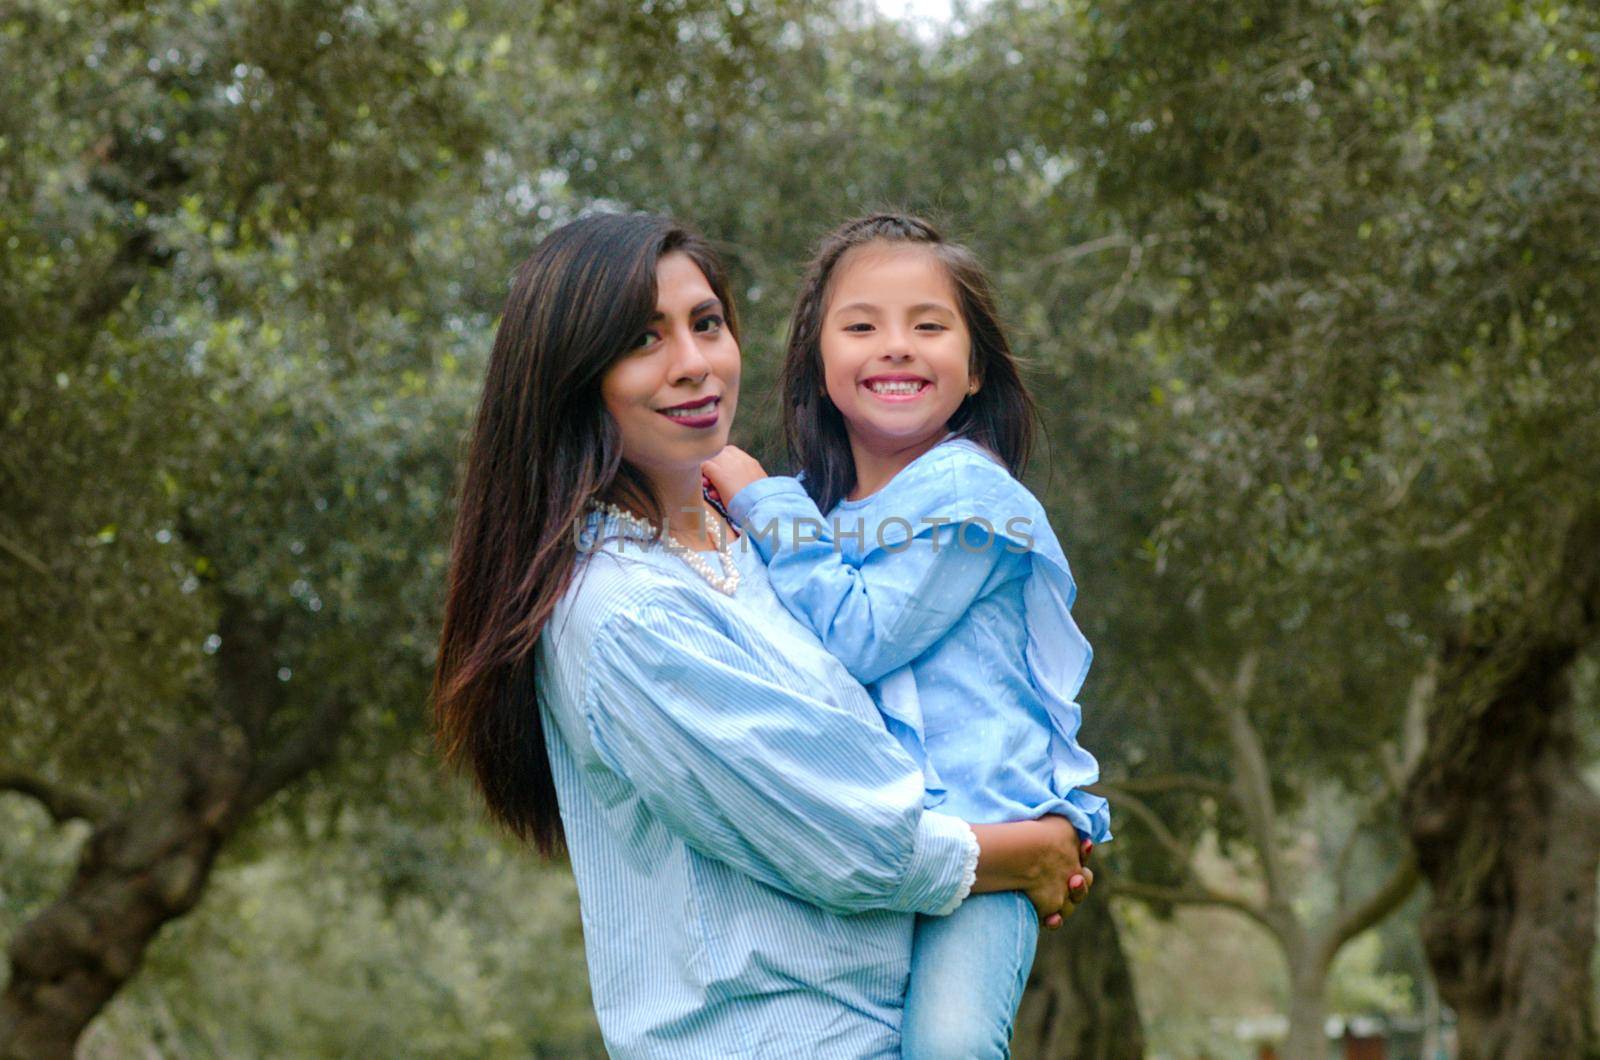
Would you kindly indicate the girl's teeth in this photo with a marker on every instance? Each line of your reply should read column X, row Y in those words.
column 896, row 388
column 698, row 410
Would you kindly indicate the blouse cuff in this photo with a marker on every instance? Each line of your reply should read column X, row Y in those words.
column 1089, row 814
column 944, row 866
column 740, row 506
column 969, row 875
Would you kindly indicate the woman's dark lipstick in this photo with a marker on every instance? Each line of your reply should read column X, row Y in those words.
column 690, row 414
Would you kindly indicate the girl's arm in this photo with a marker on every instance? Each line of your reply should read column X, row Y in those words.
column 879, row 616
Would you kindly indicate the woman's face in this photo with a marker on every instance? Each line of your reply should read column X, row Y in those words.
column 673, row 395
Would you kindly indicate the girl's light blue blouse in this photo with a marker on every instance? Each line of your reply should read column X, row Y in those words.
column 749, row 842
column 964, row 633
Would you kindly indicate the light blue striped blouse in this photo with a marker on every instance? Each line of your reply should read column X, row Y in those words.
column 967, row 643
column 749, row 842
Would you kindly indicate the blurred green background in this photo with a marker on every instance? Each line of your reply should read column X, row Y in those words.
column 1310, row 295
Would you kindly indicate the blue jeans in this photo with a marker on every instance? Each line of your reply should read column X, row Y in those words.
column 967, row 974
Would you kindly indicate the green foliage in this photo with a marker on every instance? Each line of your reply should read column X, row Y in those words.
column 1308, row 291
column 1349, row 365
column 233, row 356
column 376, row 935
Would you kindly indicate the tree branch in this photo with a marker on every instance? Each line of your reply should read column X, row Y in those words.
column 63, row 803
column 1195, row 893
column 1165, row 783
column 1278, row 920
column 1379, row 904
column 1448, row 537
column 1213, row 685
column 246, row 665
column 1152, row 820
column 1252, row 780
column 1374, row 806
column 23, row 555
column 1079, row 250
column 1397, row 764
column 1414, row 731
column 311, row 744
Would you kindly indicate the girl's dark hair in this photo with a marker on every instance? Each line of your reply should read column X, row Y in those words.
column 542, row 448
column 1000, row 416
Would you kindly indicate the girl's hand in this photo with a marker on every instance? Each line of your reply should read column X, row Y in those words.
column 1043, row 859
column 1078, row 885
column 1061, row 879
column 731, row 471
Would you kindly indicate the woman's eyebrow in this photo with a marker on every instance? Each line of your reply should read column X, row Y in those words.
column 708, row 304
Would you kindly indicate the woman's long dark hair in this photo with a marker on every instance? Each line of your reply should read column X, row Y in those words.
column 543, row 447
column 1001, row 416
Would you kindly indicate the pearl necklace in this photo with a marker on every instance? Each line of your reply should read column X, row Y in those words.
column 727, row 582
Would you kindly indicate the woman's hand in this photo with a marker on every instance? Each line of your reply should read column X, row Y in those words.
column 1043, row 859
column 731, row 471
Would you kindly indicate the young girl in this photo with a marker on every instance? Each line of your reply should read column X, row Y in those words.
column 934, row 576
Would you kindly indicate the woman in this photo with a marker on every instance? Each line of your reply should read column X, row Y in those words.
column 748, row 840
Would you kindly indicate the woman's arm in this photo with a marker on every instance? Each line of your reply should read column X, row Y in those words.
column 813, row 798
column 801, row 794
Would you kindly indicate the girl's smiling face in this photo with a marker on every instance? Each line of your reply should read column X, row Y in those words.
column 896, row 351
column 673, row 395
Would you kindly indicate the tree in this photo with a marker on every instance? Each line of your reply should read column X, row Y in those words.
column 1080, row 1000
column 229, row 434
column 1309, row 944
column 1510, row 935
column 1378, row 308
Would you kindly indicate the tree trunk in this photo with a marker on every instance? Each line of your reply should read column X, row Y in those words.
column 1505, row 828
column 149, row 863
column 140, row 869
column 1080, row 1004
column 1308, row 986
